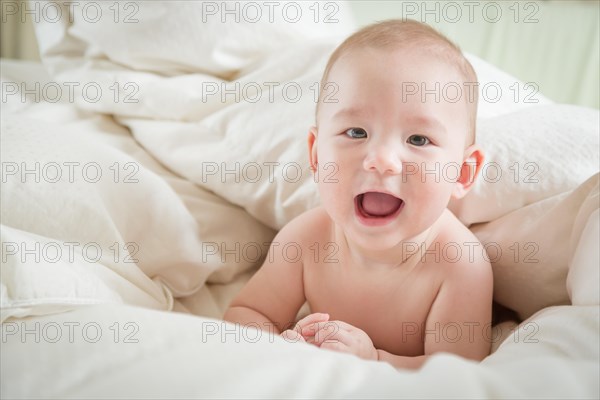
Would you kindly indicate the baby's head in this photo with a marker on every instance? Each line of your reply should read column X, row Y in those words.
column 398, row 35
column 395, row 129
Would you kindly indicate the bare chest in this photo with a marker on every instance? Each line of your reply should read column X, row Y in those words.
column 390, row 307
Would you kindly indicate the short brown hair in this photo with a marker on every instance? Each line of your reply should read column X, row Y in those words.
column 408, row 33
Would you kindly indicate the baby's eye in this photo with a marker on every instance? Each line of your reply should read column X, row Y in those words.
column 418, row 140
column 356, row 133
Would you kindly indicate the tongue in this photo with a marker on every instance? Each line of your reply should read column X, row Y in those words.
column 380, row 204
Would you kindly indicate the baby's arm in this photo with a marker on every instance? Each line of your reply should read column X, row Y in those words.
column 275, row 293
column 459, row 321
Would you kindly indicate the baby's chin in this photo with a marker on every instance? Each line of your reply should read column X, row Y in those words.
column 377, row 239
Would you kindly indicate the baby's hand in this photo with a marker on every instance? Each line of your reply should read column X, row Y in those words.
column 292, row 336
column 295, row 334
column 341, row 336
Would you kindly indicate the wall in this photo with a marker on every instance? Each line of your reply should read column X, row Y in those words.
column 554, row 44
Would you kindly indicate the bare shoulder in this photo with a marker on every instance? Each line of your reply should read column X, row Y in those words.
column 464, row 298
column 462, row 254
column 308, row 227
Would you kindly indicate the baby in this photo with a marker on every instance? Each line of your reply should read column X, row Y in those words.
column 389, row 273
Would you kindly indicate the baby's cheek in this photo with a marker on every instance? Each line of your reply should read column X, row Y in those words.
column 436, row 173
column 434, row 188
column 333, row 194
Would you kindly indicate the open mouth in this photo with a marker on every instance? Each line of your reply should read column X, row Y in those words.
column 376, row 208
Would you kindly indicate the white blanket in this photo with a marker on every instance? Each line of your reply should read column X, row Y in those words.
column 162, row 229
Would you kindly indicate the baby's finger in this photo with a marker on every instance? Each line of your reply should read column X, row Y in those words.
column 311, row 319
column 317, row 326
column 335, row 345
column 292, row 336
column 332, row 333
column 310, row 330
column 311, row 340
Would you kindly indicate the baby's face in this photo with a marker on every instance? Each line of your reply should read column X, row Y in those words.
column 388, row 162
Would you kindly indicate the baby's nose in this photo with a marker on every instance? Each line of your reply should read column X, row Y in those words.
column 384, row 159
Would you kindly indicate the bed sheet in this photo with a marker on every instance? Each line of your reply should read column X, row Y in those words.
column 170, row 228
column 75, row 133
column 126, row 352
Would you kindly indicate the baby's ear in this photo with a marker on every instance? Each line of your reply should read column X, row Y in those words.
column 472, row 163
column 312, row 148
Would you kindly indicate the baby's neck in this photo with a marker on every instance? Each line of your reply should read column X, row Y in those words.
column 405, row 255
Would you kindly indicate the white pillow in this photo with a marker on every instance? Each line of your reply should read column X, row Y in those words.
column 531, row 155
column 501, row 93
column 531, row 250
